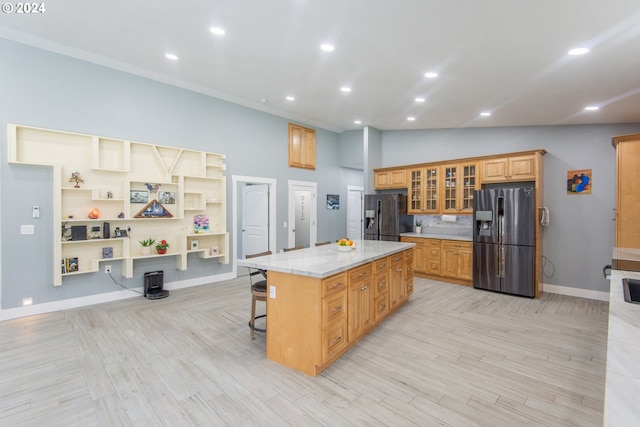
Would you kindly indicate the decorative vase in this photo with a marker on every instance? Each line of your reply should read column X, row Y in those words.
column 161, row 251
column 146, row 250
column 418, row 229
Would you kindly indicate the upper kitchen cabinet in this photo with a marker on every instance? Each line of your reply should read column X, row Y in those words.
column 302, row 147
column 424, row 189
column 502, row 169
column 386, row 179
column 459, row 182
column 627, row 190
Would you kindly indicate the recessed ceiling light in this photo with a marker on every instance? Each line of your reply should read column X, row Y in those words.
column 171, row 56
column 358, row 122
column 345, row 89
column 431, row 75
column 327, row 47
column 592, row 108
column 485, row 114
column 578, row 51
column 411, row 119
column 419, row 99
column 291, row 98
column 218, row 31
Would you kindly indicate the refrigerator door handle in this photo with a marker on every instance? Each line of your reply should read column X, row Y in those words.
column 501, row 261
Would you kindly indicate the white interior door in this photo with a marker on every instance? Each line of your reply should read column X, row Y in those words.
column 303, row 212
column 255, row 219
column 354, row 212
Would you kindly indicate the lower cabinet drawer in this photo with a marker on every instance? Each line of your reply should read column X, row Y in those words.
column 334, row 308
column 334, row 339
column 381, row 306
column 433, row 267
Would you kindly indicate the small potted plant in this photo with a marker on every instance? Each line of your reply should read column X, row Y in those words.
column 146, row 245
column 418, row 226
column 162, row 246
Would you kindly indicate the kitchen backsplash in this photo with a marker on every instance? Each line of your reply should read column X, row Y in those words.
column 459, row 225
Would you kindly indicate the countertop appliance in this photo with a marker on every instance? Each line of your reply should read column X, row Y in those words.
column 385, row 217
column 504, row 240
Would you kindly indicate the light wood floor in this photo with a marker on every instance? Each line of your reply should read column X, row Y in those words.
column 452, row 356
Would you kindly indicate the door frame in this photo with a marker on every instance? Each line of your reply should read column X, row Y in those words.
column 313, row 226
column 237, row 180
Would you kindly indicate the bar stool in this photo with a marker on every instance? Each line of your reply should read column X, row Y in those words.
column 258, row 292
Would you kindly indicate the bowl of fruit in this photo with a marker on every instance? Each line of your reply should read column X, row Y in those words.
column 345, row 245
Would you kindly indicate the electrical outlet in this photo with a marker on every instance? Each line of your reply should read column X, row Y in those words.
column 107, row 269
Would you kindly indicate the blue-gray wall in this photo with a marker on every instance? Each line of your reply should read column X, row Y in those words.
column 49, row 90
column 581, row 234
column 44, row 89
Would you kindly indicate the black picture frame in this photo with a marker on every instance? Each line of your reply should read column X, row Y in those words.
column 120, row 233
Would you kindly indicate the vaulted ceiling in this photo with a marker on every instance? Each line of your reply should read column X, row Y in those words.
column 505, row 58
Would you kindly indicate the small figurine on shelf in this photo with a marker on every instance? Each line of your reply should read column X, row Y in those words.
column 162, row 247
column 75, row 177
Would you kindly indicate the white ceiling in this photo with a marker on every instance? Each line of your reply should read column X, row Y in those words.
column 508, row 57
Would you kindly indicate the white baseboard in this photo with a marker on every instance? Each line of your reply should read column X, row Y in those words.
column 49, row 307
column 576, row 292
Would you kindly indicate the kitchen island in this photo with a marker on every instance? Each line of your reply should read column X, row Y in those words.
column 623, row 346
column 323, row 301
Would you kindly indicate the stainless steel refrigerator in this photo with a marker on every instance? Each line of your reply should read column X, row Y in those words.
column 504, row 240
column 385, row 217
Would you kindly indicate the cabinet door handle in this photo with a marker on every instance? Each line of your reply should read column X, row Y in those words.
column 364, row 288
column 337, row 309
column 336, row 340
column 382, row 306
column 399, row 270
column 362, row 274
column 335, row 285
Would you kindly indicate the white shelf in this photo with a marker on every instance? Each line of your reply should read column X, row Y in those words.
column 115, row 167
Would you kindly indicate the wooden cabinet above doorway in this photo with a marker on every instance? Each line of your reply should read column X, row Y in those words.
column 302, row 147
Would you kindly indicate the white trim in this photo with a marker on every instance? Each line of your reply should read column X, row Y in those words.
column 273, row 190
column 67, row 304
column 576, row 292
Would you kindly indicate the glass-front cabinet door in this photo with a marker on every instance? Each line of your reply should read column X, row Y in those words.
column 467, row 186
column 431, row 181
column 450, row 190
column 416, row 190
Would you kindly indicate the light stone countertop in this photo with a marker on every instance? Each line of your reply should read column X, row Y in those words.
column 460, row 237
column 622, row 390
column 324, row 261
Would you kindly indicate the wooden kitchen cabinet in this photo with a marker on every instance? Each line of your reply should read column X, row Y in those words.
column 424, row 191
column 458, row 184
column 627, row 190
column 302, row 147
column 396, row 280
column 381, row 293
column 457, row 259
column 519, row 168
column 409, row 257
column 433, row 253
column 420, row 253
column 390, row 179
column 360, row 301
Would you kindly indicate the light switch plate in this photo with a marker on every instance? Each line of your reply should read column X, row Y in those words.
column 27, row 229
column 272, row 292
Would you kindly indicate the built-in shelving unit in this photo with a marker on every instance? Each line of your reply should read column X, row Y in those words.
column 142, row 190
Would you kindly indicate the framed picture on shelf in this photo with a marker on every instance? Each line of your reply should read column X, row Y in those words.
column 194, row 245
column 71, row 264
column 214, row 250
column 167, row 197
column 107, row 252
column 139, row 196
